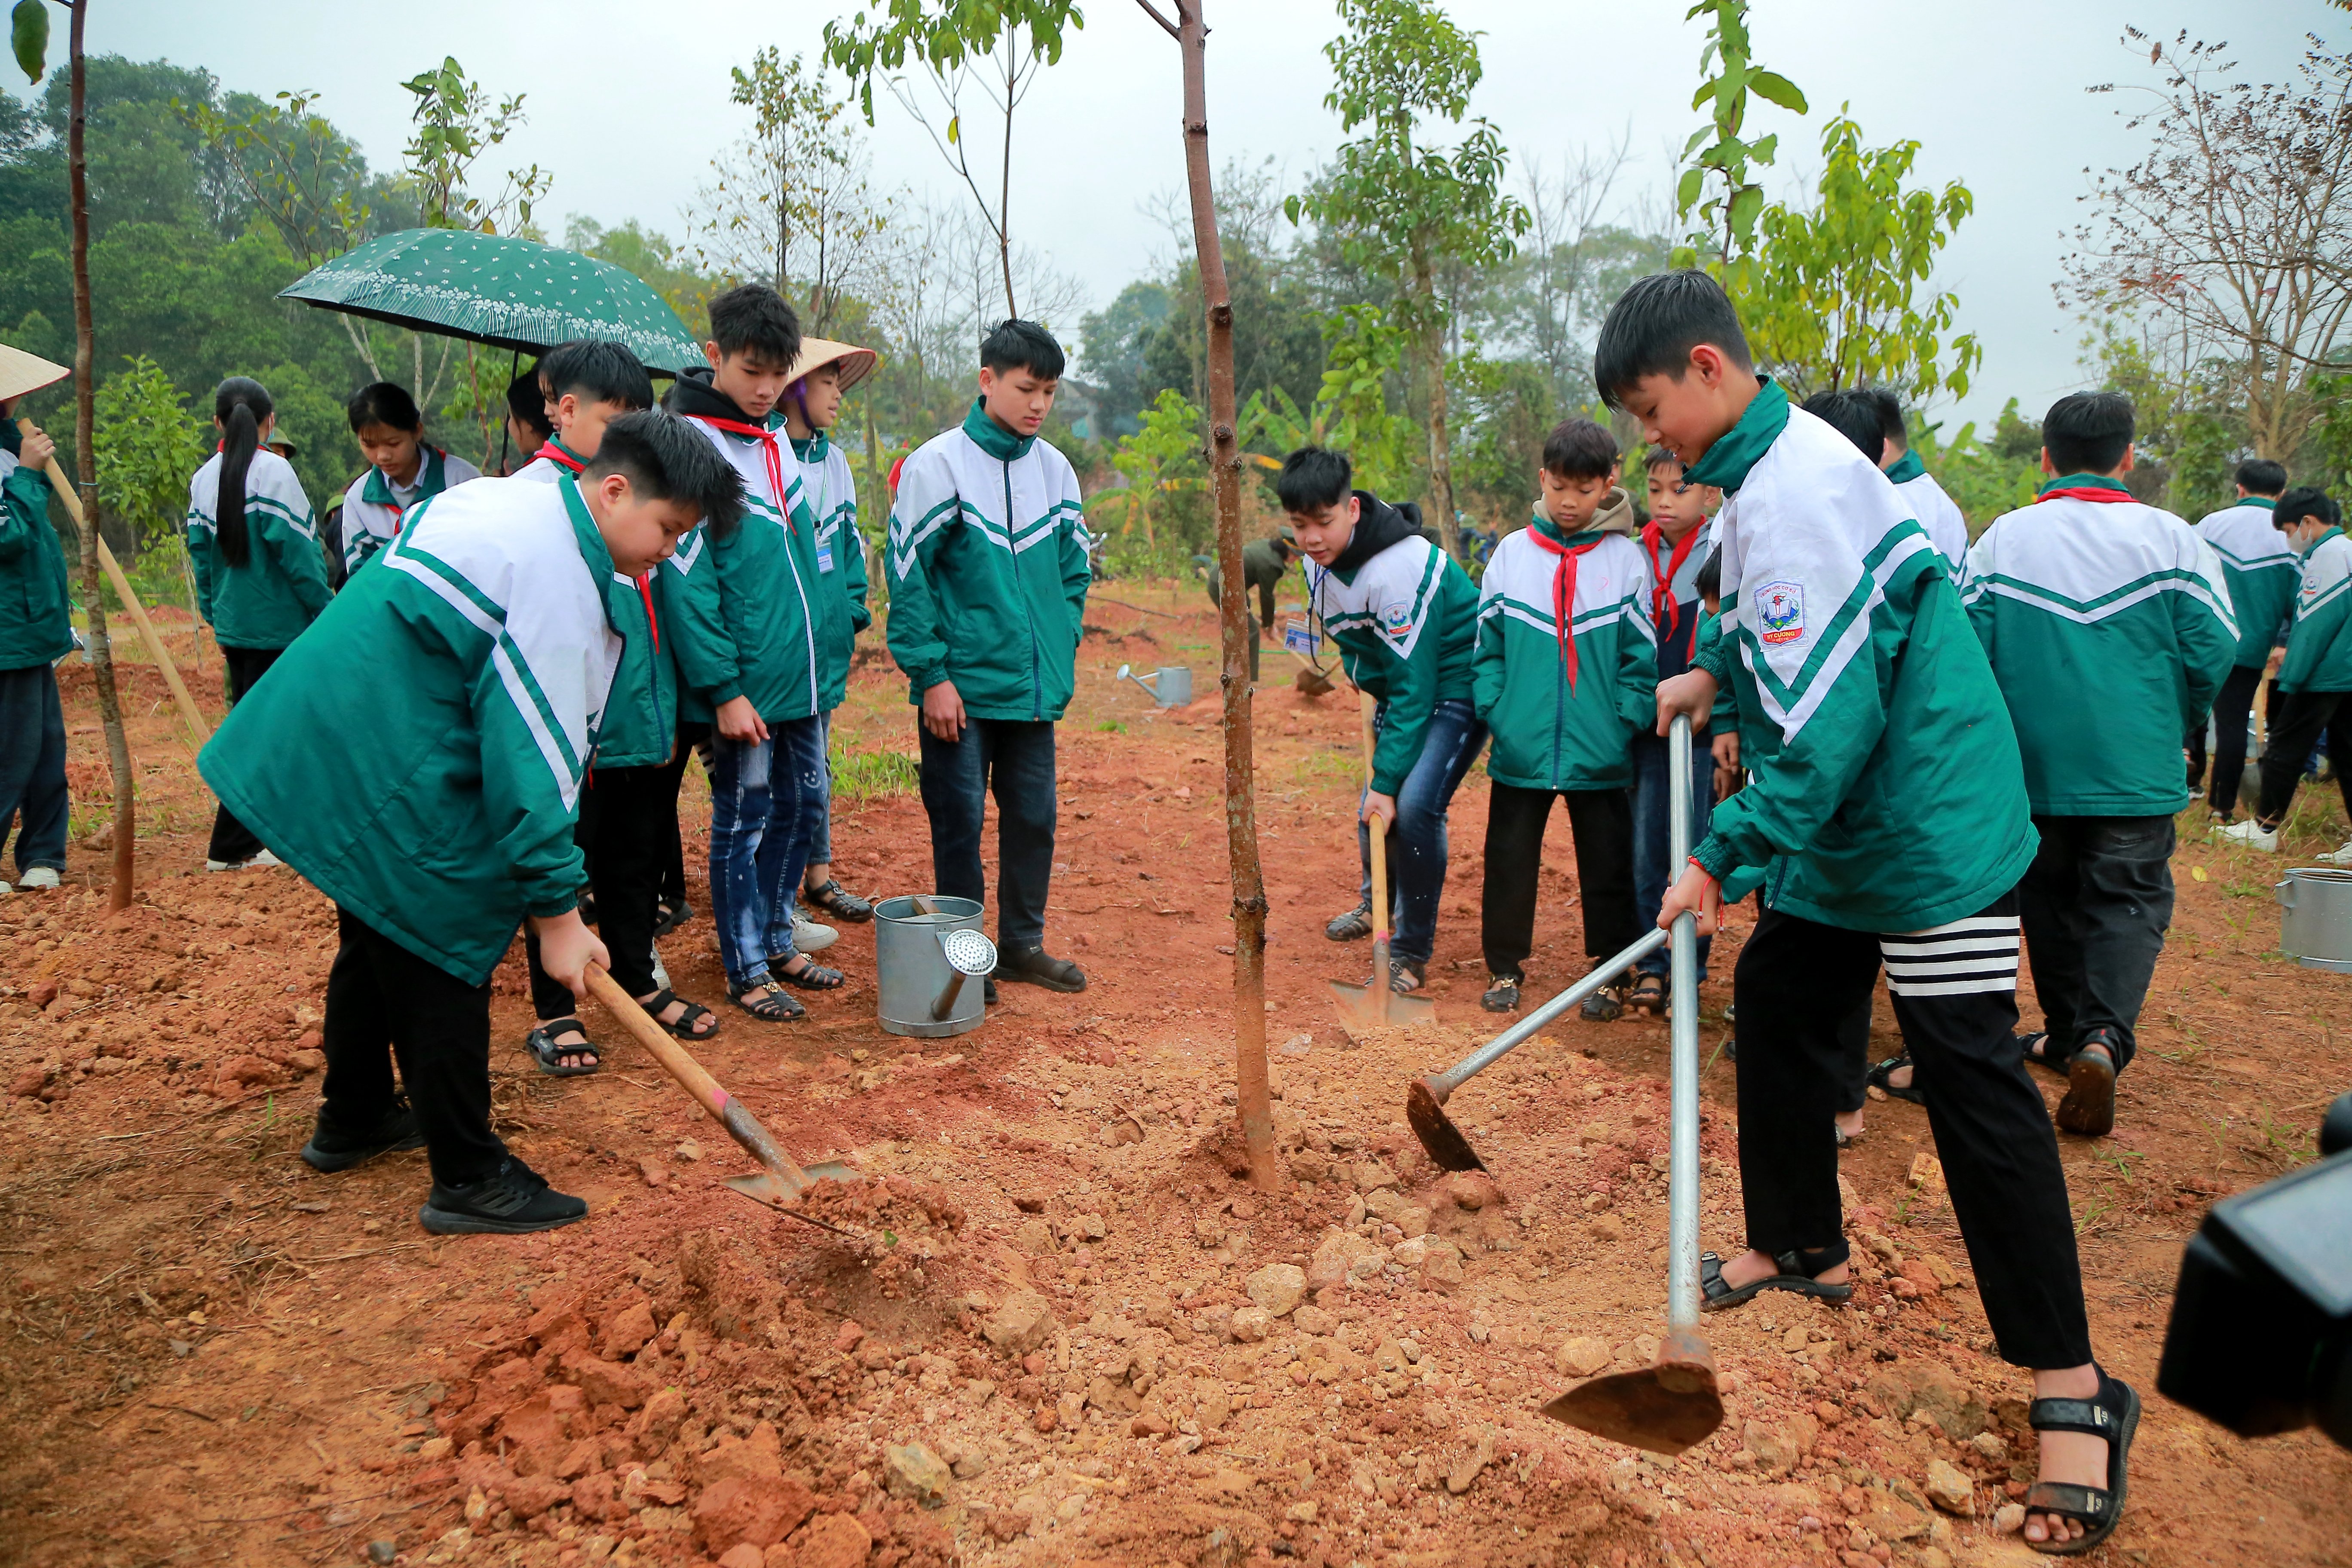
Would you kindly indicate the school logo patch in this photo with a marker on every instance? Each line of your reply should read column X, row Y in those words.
column 1780, row 612
column 1397, row 619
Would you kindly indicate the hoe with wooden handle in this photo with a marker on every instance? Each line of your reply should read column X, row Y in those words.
column 779, row 1181
column 1673, row 1404
column 1376, row 1006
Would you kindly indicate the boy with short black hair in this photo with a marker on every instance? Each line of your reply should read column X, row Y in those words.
column 496, row 606
column 1564, row 677
column 1679, row 538
column 2315, row 680
column 747, row 649
column 1405, row 617
column 2263, row 574
column 1931, row 507
column 1888, row 803
column 2109, row 627
column 988, row 595
column 589, row 383
column 403, row 468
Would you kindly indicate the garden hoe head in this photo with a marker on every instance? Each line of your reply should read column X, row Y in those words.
column 1424, row 1110
column 1666, row 1408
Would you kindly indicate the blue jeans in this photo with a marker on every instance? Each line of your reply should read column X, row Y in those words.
column 33, row 794
column 1013, row 759
column 820, row 831
column 1416, row 845
column 1652, row 817
column 762, row 799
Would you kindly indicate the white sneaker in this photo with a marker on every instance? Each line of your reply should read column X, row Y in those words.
column 42, row 877
column 224, row 865
column 263, row 861
column 2336, row 857
column 810, row 937
column 2251, row 834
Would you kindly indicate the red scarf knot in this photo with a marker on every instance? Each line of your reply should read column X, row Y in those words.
column 1666, row 611
column 1563, row 595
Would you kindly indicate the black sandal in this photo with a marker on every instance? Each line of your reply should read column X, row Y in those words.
column 2113, row 1416
column 1794, row 1277
column 1407, row 978
column 775, row 1007
column 835, row 899
column 683, row 1028
column 1605, row 1005
column 2089, row 1108
column 1650, row 993
column 1356, row 924
column 1502, row 994
column 540, row 1043
column 2036, row 1047
column 668, row 915
column 1880, row 1075
column 813, row 977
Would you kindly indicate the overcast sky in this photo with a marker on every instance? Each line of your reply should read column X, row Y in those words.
column 627, row 102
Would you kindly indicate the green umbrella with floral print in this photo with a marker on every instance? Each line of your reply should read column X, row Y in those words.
column 490, row 288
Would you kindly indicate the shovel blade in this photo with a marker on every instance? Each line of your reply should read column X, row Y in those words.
column 1377, row 1007
column 1311, row 683
column 1665, row 1408
column 777, row 1188
column 1440, row 1139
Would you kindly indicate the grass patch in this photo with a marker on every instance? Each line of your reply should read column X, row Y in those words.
column 1111, row 727
column 860, row 777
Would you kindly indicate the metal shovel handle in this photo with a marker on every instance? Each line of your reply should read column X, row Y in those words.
column 1682, row 1041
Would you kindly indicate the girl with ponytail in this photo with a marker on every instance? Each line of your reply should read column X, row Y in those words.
column 260, row 577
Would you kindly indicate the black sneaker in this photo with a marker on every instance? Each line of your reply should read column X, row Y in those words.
column 988, row 991
column 332, row 1149
column 1036, row 966
column 516, row 1200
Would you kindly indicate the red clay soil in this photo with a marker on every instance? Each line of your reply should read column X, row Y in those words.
column 1058, row 1331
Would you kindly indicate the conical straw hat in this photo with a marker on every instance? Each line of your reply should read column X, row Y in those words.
column 818, row 352
column 21, row 372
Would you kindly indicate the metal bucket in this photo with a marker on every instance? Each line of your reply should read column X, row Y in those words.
column 2316, row 929
column 910, row 959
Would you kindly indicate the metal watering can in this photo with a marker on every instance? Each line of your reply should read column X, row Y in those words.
column 926, row 951
column 2315, row 927
column 1170, row 686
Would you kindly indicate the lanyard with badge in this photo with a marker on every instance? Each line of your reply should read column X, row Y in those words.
column 823, row 533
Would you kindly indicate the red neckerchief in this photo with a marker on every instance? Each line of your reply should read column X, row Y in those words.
column 1563, row 594
column 2087, row 492
column 768, row 450
column 556, row 454
column 1663, row 611
column 563, row 459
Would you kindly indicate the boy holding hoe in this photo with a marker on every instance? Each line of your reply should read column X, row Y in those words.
column 987, row 595
column 747, row 643
column 1405, row 618
column 496, row 604
column 1888, row 803
column 1564, row 677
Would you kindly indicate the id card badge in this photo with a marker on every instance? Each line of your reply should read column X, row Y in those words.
column 824, row 555
column 1299, row 636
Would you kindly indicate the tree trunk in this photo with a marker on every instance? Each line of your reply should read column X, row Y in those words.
column 1004, row 170
column 1441, row 447
column 1232, row 615
column 93, row 592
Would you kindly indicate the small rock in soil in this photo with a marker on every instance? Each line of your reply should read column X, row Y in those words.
column 1278, row 1287
column 2009, row 1519
column 1951, row 1490
column 1582, row 1356
column 914, row 1472
column 833, row 1540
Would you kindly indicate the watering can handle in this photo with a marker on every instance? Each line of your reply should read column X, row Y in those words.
column 2286, row 892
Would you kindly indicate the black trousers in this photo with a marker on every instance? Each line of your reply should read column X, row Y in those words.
column 1013, row 760
column 2096, row 902
column 232, row 841
column 626, row 831
column 2298, row 721
column 1601, row 822
column 1955, row 991
column 2234, row 706
column 690, row 735
column 383, row 1002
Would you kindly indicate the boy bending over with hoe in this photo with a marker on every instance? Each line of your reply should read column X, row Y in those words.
column 1888, row 803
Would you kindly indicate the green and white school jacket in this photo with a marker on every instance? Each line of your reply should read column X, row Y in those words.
column 1937, row 512
column 988, row 571
column 373, row 505
column 1887, row 794
column 268, row 602
column 641, row 718
column 2263, row 571
column 2319, row 643
column 442, row 816
column 35, row 605
column 1557, row 726
column 1406, row 623
column 832, row 495
column 2108, row 626
column 747, row 617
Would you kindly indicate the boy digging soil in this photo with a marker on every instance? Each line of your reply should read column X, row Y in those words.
column 1564, row 677
column 496, row 606
column 1888, row 801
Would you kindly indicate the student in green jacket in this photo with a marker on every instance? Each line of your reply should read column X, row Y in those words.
column 1565, row 677
column 2314, row 680
column 35, row 631
column 1888, row 802
column 1405, row 617
column 260, row 579
column 446, row 819
column 987, row 595
column 2109, row 628
column 2263, row 573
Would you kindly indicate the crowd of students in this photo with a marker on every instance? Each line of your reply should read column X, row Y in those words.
column 1916, row 751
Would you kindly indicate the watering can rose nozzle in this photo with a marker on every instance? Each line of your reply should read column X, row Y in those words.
column 968, row 953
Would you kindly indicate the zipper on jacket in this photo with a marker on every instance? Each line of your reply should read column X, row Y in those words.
column 1028, row 615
